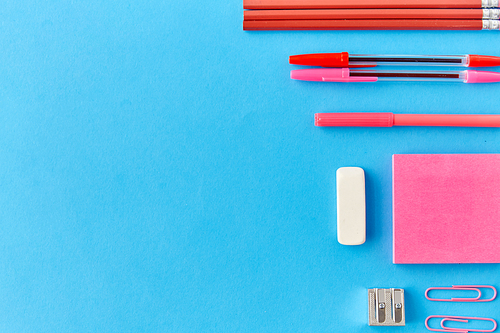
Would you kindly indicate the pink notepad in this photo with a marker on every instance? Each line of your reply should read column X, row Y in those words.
column 446, row 208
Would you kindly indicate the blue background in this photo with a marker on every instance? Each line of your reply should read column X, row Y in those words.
column 160, row 172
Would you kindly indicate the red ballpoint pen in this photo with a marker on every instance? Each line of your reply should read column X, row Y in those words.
column 344, row 59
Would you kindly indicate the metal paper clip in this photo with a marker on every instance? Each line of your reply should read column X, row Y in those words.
column 467, row 299
column 461, row 320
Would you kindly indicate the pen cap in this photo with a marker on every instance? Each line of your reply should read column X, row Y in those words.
column 329, row 75
column 365, row 119
column 483, row 61
column 321, row 59
column 481, row 77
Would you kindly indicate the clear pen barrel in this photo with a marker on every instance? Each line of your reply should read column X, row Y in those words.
column 369, row 60
column 399, row 75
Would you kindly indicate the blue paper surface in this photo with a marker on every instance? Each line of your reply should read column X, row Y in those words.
column 160, row 172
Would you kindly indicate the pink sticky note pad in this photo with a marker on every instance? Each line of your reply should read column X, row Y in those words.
column 446, row 208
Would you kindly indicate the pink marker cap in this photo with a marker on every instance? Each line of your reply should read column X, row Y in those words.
column 369, row 119
column 328, row 75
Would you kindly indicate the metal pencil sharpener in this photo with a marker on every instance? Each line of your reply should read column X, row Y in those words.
column 386, row 307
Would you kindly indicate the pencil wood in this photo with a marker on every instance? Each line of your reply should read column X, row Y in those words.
column 361, row 14
column 364, row 25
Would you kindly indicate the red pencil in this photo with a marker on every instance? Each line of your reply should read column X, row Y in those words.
column 363, row 14
column 368, row 25
column 338, row 4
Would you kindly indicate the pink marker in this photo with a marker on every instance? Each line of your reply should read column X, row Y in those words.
column 369, row 119
column 368, row 75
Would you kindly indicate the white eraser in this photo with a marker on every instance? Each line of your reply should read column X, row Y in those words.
column 351, row 210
